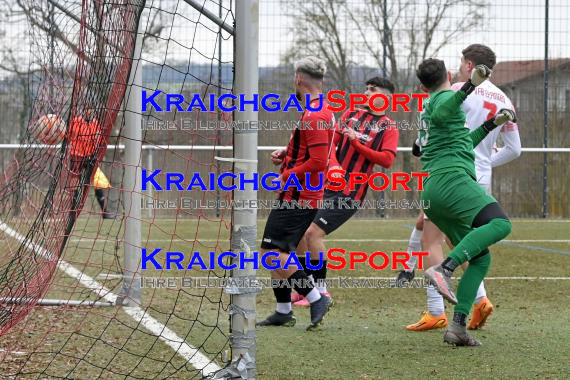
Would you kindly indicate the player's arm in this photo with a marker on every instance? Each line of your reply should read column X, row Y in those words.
column 333, row 160
column 503, row 116
column 387, row 151
column 317, row 141
column 278, row 155
column 449, row 105
column 512, row 148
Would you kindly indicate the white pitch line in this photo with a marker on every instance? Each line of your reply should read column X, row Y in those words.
column 13, row 352
column 107, row 276
column 99, row 240
column 188, row 352
column 540, row 220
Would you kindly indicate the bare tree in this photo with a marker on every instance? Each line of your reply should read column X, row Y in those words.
column 53, row 23
column 393, row 36
column 319, row 31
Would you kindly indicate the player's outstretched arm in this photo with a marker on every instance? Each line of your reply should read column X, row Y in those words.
column 511, row 145
column 449, row 106
column 479, row 75
column 500, row 118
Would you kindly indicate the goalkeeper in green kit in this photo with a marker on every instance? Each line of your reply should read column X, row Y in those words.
column 471, row 219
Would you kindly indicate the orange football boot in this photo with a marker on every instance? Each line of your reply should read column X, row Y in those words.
column 481, row 312
column 428, row 322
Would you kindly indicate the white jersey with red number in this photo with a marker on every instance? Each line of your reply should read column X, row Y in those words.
column 480, row 106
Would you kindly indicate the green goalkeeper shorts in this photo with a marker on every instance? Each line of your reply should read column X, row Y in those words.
column 455, row 199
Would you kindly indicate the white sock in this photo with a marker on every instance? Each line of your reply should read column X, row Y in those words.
column 322, row 286
column 283, row 307
column 480, row 293
column 434, row 302
column 414, row 245
column 313, row 295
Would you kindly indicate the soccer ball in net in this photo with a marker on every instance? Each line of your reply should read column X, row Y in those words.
column 49, row 129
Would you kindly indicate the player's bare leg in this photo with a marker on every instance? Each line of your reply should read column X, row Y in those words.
column 434, row 317
column 414, row 245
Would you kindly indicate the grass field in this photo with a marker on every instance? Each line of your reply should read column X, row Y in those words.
column 363, row 337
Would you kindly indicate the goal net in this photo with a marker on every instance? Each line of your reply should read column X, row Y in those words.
column 73, row 303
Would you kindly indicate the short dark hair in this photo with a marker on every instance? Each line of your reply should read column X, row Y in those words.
column 432, row 73
column 381, row 83
column 480, row 55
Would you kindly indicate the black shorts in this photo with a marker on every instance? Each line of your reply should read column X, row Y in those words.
column 285, row 227
column 330, row 219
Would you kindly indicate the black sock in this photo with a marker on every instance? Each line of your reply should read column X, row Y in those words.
column 459, row 318
column 309, row 271
column 321, row 273
column 303, row 261
column 100, row 195
column 282, row 293
column 449, row 265
column 301, row 282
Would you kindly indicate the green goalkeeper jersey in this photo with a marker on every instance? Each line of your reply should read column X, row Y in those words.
column 446, row 145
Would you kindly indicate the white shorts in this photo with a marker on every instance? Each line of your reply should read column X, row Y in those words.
column 487, row 187
column 485, row 182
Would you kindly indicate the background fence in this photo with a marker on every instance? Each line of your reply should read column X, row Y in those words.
column 358, row 39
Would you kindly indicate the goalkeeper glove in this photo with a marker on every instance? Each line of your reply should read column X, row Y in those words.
column 479, row 75
column 503, row 116
column 416, row 150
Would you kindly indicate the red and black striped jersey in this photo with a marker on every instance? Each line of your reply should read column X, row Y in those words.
column 376, row 142
column 307, row 152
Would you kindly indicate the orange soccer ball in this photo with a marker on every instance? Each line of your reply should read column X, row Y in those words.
column 49, row 129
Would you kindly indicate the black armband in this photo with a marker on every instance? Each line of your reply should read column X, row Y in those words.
column 416, row 151
column 468, row 87
column 489, row 125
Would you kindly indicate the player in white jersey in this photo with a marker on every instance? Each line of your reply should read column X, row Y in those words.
column 480, row 106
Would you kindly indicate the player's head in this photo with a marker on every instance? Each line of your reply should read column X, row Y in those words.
column 474, row 55
column 309, row 75
column 379, row 85
column 433, row 75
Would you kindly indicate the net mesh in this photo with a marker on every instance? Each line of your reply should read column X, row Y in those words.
column 63, row 199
